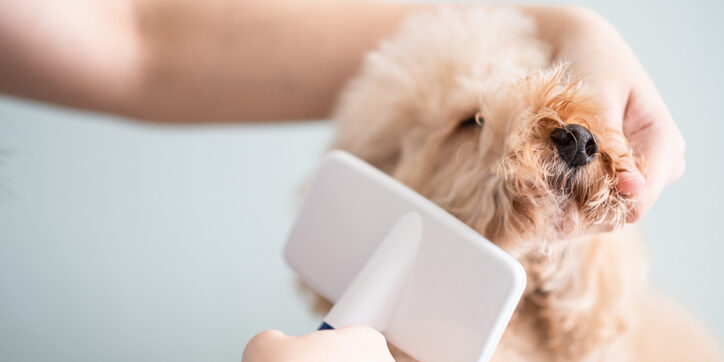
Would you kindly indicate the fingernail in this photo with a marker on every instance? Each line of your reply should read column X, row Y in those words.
column 630, row 183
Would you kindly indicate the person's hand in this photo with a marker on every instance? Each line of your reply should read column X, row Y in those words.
column 597, row 53
column 349, row 344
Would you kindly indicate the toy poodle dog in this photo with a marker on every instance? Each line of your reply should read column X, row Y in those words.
column 468, row 108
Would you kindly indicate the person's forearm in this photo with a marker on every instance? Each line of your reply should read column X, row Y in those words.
column 187, row 60
column 266, row 60
column 81, row 52
column 255, row 60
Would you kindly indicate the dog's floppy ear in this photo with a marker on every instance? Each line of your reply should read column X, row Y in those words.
column 378, row 146
column 371, row 122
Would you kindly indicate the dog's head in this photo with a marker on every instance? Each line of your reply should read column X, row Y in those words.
column 517, row 154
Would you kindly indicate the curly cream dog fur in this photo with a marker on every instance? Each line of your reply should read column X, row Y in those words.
column 460, row 105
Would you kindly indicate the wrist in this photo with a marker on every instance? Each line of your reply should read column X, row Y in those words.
column 562, row 26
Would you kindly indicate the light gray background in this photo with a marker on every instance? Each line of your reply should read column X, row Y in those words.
column 124, row 241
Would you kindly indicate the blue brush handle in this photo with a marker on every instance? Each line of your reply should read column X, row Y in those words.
column 324, row 326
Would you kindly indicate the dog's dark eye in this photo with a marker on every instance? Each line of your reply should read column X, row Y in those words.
column 473, row 121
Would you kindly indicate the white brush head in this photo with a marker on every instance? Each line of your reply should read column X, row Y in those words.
column 458, row 291
column 372, row 296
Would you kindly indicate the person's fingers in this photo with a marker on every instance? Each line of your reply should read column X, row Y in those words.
column 631, row 182
column 663, row 157
column 658, row 142
column 364, row 332
column 647, row 124
column 268, row 336
column 615, row 99
column 261, row 343
column 631, row 105
column 368, row 339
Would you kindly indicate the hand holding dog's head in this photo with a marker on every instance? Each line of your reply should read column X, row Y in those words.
column 518, row 155
column 555, row 173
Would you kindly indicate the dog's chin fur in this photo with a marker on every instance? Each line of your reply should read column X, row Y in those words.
column 410, row 113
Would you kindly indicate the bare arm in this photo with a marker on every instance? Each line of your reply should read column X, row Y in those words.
column 241, row 60
column 187, row 60
column 82, row 53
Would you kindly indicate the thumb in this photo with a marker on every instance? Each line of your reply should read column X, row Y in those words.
column 657, row 143
column 631, row 182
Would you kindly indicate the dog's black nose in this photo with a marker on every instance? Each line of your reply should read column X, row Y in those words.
column 575, row 144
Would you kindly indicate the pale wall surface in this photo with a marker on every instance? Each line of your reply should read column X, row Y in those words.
column 121, row 241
